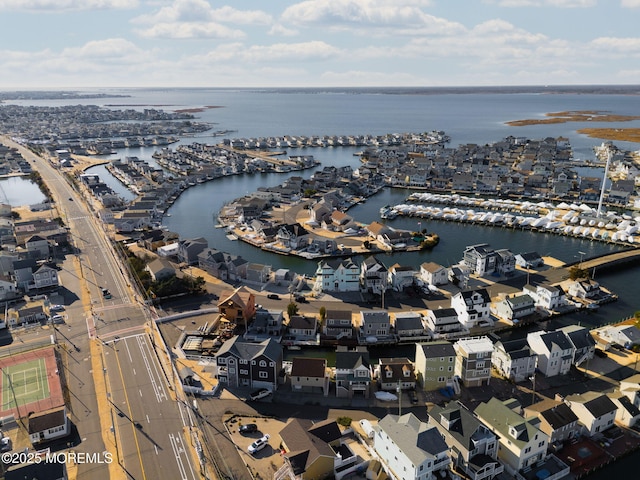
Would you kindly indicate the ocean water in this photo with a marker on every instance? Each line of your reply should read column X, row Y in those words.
column 467, row 115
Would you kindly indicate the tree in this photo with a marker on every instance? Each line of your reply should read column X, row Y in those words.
column 576, row 272
column 323, row 314
column 292, row 309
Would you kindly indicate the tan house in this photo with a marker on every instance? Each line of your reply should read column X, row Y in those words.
column 310, row 375
column 237, row 305
column 311, row 449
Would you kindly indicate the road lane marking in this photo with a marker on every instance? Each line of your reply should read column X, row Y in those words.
column 128, row 351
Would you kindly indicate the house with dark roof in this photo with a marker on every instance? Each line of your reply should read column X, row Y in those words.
column 630, row 387
column 627, row 413
column 375, row 325
column 546, row 297
column 353, row 372
column 410, row 448
column 514, row 359
column 244, row 364
column 49, row 425
column 396, row 372
column 480, row 259
column 434, row 365
column 554, row 418
column 37, row 247
column 473, row 448
column 442, row 321
column 473, row 307
column 303, row 327
column 373, row 275
column 583, row 343
column 555, row 352
column 529, row 260
column 313, row 450
column 310, row 375
column 409, row 325
column 595, row 411
column 338, row 324
column 189, row 249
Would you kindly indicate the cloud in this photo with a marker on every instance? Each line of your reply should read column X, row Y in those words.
column 197, row 19
column 281, row 30
column 545, row 3
column 399, row 15
column 277, row 52
column 65, row 5
column 630, row 3
column 618, row 45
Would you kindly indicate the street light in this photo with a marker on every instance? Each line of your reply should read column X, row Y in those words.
column 581, row 255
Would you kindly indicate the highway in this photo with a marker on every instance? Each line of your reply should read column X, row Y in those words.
column 114, row 329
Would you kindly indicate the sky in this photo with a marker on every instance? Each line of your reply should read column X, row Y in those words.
column 317, row 43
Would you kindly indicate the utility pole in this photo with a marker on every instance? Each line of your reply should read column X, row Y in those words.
column 399, row 392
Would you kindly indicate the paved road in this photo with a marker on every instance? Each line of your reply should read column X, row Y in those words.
column 132, row 367
column 149, row 424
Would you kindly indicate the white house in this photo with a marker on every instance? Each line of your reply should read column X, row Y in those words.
column 625, row 335
column 473, row 307
column 595, row 411
column 473, row 360
column 529, row 260
column 583, row 343
column 433, row 274
column 337, row 275
column 546, row 297
column 49, row 425
column 627, row 413
column 514, row 359
column 443, row 321
column 555, row 352
column 401, row 276
column 411, row 449
column 374, row 276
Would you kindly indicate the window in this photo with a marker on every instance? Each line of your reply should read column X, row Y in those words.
column 272, row 364
column 244, row 372
column 263, row 363
column 222, row 361
column 243, row 361
column 263, row 374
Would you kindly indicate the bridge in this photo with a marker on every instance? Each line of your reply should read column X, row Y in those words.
column 609, row 260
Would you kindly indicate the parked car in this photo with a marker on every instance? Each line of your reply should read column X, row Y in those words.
column 56, row 308
column 248, row 428
column 273, row 296
column 106, row 293
column 260, row 394
column 301, row 299
column 413, row 396
column 56, row 319
column 258, row 444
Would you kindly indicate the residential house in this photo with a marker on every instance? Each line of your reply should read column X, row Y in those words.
column 514, row 360
column 583, row 343
column 8, row 290
column 473, row 307
column 410, row 448
column 245, row 364
column 401, row 277
column 554, row 418
column 23, row 272
column 443, row 321
column 160, row 269
column 30, row 315
column 396, row 372
column 513, row 308
column 480, row 259
column 555, row 352
column 258, row 273
column 45, row 277
column 237, row 305
column 584, row 289
column 630, row 387
column 310, row 375
column 522, row 444
column 529, row 260
column 337, row 275
column 409, row 325
column 627, row 413
column 433, row 274
column 374, row 275
column 353, row 372
column 595, row 411
column 624, row 335
column 37, row 247
column 473, row 448
column 435, row 365
column 473, row 360
column 312, row 451
column 189, row 249
column 266, row 324
column 338, row 324
column 505, row 262
column 375, row 325
column 547, row 297
column 49, row 425
column 303, row 327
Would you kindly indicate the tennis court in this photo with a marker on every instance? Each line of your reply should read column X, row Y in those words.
column 29, row 382
column 24, row 383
